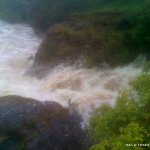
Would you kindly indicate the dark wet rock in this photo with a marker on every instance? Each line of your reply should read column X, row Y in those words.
column 14, row 109
column 90, row 38
column 32, row 125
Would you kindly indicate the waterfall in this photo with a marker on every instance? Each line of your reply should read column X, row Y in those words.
column 88, row 88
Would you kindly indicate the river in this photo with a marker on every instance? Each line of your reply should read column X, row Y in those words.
column 89, row 88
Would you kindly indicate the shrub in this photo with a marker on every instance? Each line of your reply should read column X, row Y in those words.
column 127, row 122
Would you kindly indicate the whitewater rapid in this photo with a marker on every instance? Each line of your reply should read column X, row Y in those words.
column 89, row 88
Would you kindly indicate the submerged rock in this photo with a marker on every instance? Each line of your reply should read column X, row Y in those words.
column 32, row 125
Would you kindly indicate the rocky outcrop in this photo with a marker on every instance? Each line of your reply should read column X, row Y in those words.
column 56, row 49
column 93, row 38
column 32, row 125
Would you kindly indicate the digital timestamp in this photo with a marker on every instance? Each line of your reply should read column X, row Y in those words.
column 137, row 145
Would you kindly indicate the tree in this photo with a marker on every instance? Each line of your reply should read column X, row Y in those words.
column 126, row 123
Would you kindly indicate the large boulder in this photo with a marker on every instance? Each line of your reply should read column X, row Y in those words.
column 32, row 125
column 91, row 38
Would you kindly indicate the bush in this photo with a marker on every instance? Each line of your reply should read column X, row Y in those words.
column 127, row 122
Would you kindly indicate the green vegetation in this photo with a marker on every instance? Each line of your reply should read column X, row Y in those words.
column 126, row 123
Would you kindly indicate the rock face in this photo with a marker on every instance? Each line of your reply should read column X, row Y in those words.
column 55, row 49
column 93, row 38
column 32, row 125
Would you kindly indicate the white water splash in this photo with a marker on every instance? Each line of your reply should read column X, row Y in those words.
column 89, row 88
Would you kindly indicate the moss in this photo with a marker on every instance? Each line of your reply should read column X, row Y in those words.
column 97, row 36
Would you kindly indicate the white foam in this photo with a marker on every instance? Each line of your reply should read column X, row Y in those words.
column 89, row 88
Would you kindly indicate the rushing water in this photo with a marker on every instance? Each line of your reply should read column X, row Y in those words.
column 89, row 88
